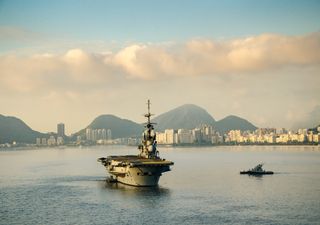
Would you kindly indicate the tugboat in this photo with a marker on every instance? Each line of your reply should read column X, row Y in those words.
column 257, row 170
column 143, row 169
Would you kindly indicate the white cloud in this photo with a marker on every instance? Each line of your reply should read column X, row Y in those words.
column 209, row 57
column 42, row 71
column 266, row 52
column 127, row 58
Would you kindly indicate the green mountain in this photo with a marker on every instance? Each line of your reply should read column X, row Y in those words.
column 233, row 123
column 14, row 129
column 120, row 128
column 191, row 116
column 186, row 116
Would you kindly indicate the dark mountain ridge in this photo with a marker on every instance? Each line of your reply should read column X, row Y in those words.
column 187, row 116
column 14, row 129
column 120, row 128
column 190, row 116
column 233, row 123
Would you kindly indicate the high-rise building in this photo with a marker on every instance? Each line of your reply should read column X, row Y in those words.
column 60, row 141
column 104, row 134
column 161, row 138
column 98, row 134
column 196, row 133
column 109, row 134
column 185, row 136
column 88, row 134
column 38, row 141
column 206, row 132
column 94, row 135
column 44, row 141
column 60, row 130
column 51, row 140
column 170, row 136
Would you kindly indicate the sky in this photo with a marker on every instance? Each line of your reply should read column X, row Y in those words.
column 70, row 61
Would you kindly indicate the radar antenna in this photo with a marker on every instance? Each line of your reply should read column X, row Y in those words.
column 148, row 115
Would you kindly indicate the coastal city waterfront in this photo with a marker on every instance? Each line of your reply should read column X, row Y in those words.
column 206, row 134
column 202, row 135
column 70, row 184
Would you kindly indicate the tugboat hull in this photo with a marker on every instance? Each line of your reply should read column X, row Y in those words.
column 256, row 173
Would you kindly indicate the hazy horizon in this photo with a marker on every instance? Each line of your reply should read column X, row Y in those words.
column 71, row 61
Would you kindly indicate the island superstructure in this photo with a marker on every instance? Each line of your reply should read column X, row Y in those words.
column 143, row 169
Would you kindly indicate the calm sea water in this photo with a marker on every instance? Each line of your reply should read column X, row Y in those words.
column 67, row 186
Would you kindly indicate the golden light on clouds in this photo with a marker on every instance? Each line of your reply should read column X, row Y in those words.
column 196, row 57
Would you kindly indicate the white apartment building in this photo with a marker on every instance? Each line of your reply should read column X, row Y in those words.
column 88, row 134
column 43, row 141
column 60, row 141
column 161, row 138
column 38, row 141
column 98, row 134
column 51, row 140
column 185, row 136
column 170, row 136
column 196, row 133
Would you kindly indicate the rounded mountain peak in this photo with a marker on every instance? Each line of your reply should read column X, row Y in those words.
column 187, row 116
column 119, row 127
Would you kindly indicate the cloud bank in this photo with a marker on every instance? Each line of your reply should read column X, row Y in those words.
column 199, row 57
column 209, row 57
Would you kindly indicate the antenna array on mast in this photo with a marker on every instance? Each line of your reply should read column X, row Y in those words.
column 148, row 115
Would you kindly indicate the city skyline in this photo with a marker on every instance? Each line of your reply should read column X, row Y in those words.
column 73, row 61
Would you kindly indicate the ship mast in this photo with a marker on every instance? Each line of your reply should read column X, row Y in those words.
column 148, row 115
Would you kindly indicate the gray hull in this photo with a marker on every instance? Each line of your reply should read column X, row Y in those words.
column 135, row 171
column 132, row 178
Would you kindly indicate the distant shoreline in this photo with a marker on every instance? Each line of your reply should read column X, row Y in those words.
column 160, row 145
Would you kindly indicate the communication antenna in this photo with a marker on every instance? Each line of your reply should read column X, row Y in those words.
column 148, row 115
